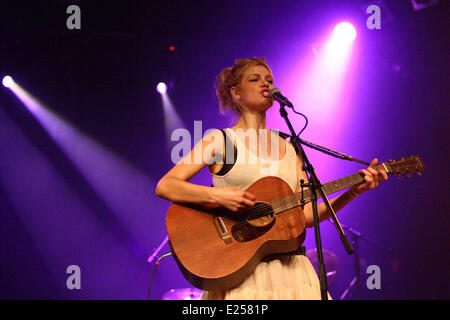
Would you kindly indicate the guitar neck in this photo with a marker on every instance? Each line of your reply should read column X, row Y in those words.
column 295, row 200
column 409, row 165
column 342, row 183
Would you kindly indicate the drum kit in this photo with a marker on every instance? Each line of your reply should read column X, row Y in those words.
column 329, row 258
column 330, row 261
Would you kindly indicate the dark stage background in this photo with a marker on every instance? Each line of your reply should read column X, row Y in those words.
column 88, row 199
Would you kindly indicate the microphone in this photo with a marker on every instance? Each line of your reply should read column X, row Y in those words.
column 275, row 94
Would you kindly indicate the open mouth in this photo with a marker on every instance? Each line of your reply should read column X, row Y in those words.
column 265, row 93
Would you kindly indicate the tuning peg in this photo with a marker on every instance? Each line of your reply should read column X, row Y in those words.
column 400, row 177
column 419, row 173
column 409, row 175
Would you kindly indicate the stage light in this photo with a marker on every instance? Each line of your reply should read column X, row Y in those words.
column 422, row 4
column 161, row 87
column 344, row 32
column 7, row 81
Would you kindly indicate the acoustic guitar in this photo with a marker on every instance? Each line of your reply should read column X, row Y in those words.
column 217, row 249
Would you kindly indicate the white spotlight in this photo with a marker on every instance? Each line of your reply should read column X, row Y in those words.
column 344, row 32
column 7, row 81
column 161, row 87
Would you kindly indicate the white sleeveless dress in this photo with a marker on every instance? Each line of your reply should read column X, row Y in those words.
column 285, row 277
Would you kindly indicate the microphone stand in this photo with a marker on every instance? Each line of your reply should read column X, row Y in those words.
column 157, row 250
column 355, row 241
column 314, row 186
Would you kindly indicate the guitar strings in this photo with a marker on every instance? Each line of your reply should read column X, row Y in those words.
column 260, row 211
column 291, row 200
column 288, row 200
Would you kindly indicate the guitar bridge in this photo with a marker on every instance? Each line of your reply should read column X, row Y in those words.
column 222, row 230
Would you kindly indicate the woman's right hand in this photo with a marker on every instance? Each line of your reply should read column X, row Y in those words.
column 234, row 199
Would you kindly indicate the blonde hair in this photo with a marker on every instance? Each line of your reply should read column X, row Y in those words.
column 231, row 77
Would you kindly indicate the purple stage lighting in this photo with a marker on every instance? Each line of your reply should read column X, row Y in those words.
column 344, row 32
column 7, row 81
column 161, row 87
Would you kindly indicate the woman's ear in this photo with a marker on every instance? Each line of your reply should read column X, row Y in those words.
column 234, row 93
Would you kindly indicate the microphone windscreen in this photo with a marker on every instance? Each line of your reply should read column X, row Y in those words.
column 273, row 91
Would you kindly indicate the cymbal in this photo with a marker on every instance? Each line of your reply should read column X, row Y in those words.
column 330, row 261
column 182, row 294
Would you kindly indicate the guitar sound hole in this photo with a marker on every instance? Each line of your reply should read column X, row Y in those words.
column 260, row 215
column 259, row 220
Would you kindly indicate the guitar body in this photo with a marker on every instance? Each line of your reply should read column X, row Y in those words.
column 218, row 249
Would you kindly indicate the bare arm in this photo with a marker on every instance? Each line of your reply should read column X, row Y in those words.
column 371, row 180
column 336, row 203
column 174, row 185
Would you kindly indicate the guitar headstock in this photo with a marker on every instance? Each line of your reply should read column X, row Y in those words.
column 401, row 166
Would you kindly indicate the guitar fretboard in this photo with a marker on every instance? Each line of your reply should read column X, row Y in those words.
column 295, row 200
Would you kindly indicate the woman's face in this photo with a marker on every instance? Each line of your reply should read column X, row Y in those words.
column 252, row 92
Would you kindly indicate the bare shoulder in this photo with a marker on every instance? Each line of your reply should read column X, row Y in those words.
column 202, row 154
column 215, row 150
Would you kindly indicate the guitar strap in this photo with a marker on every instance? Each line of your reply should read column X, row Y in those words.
column 227, row 166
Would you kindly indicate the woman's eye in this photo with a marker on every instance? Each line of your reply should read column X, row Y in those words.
column 270, row 81
column 254, row 80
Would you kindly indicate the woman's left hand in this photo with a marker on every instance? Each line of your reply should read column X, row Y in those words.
column 372, row 178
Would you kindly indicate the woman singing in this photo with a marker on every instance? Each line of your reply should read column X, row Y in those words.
column 243, row 89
